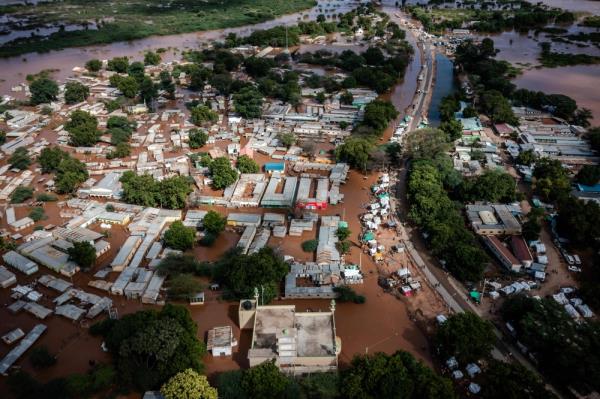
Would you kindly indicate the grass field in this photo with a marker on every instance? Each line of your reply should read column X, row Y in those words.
column 120, row 20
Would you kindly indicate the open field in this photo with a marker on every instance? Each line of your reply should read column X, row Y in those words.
column 106, row 22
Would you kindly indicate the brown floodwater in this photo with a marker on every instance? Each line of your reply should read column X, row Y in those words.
column 13, row 70
column 579, row 82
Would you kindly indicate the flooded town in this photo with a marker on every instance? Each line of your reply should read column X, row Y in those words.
column 324, row 199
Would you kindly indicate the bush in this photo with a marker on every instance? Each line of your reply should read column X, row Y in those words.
column 21, row 194
column 46, row 197
column 310, row 245
column 41, row 358
column 37, row 214
column 347, row 294
column 20, row 159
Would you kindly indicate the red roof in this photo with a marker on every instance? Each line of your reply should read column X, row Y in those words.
column 520, row 249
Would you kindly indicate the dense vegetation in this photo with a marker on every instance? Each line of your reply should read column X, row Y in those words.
column 144, row 190
column 137, row 19
column 566, row 351
column 380, row 375
column 431, row 173
column 150, row 347
column 69, row 171
column 179, row 236
column 241, row 274
column 83, row 253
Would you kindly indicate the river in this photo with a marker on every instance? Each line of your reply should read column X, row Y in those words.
column 13, row 70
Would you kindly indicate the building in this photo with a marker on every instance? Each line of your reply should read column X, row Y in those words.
column 220, row 341
column 310, row 198
column 20, row 263
column 506, row 258
column 310, row 280
column 298, row 342
column 494, row 219
column 280, row 192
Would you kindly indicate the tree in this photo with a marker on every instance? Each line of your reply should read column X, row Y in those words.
column 20, row 159
column 491, row 186
column 320, row 97
column 241, row 274
column 497, row 107
column 118, row 64
column 83, row 253
column 148, row 90
column 589, row 175
column 70, row 173
column 355, row 151
column 76, row 92
column 466, row 336
column 452, row 128
column 197, row 138
column 83, row 129
column 183, row 286
column 245, row 164
column 392, row 376
column 188, row 384
column 347, row 294
column 129, row 86
column 93, row 65
column 179, row 236
column 346, row 98
column 378, row 114
column 248, row 102
column 201, row 114
column 149, row 347
column 527, row 158
column 426, row 143
column 21, row 194
column 213, row 222
column 342, row 233
column 41, row 358
column 257, row 67
column 310, row 245
column 37, row 214
column 43, row 90
column 151, row 58
column 373, row 56
column 287, row 139
column 223, row 175
column 503, row 380
column 264, row 381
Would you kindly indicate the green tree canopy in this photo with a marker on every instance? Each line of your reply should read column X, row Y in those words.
column 245, row 164
column 83, row 253
column 83, row 129
column 76, row 92
column 197, row 138
column 70, row 173
column 223, row 174
column 201, row 114
column 355, row 151
column 93, row 65
column 248, row 102
column 129, row 86
column 20, row 159
column 240, row 274
column 213, row 222
column 588, row 175
column 150, row 347
column 151, row 58
column 43, row 90
column 118, row 64
column 144, row 190
column 393, row 376
column 466, row 336
column 179, row 236
column 511, row 380
column 264, row 381
column 188, row 384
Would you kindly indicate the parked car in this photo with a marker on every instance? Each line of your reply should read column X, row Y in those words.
column 570, row 260
column 575, row 269
column 577, row 259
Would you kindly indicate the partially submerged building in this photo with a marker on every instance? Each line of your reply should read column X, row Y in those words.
column 298, row 342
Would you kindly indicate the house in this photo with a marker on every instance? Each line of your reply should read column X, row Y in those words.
column 504, row 256
column 298, row 342
column 274, row 167
column 220, row 341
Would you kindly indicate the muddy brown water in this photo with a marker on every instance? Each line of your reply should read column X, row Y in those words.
column 382, row 324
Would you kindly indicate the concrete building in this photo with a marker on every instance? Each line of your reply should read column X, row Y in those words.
column 310, row 280
column 298, row 342
column 309, row 197
column 280, row 192
column 220, row 341
column 494, row 219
